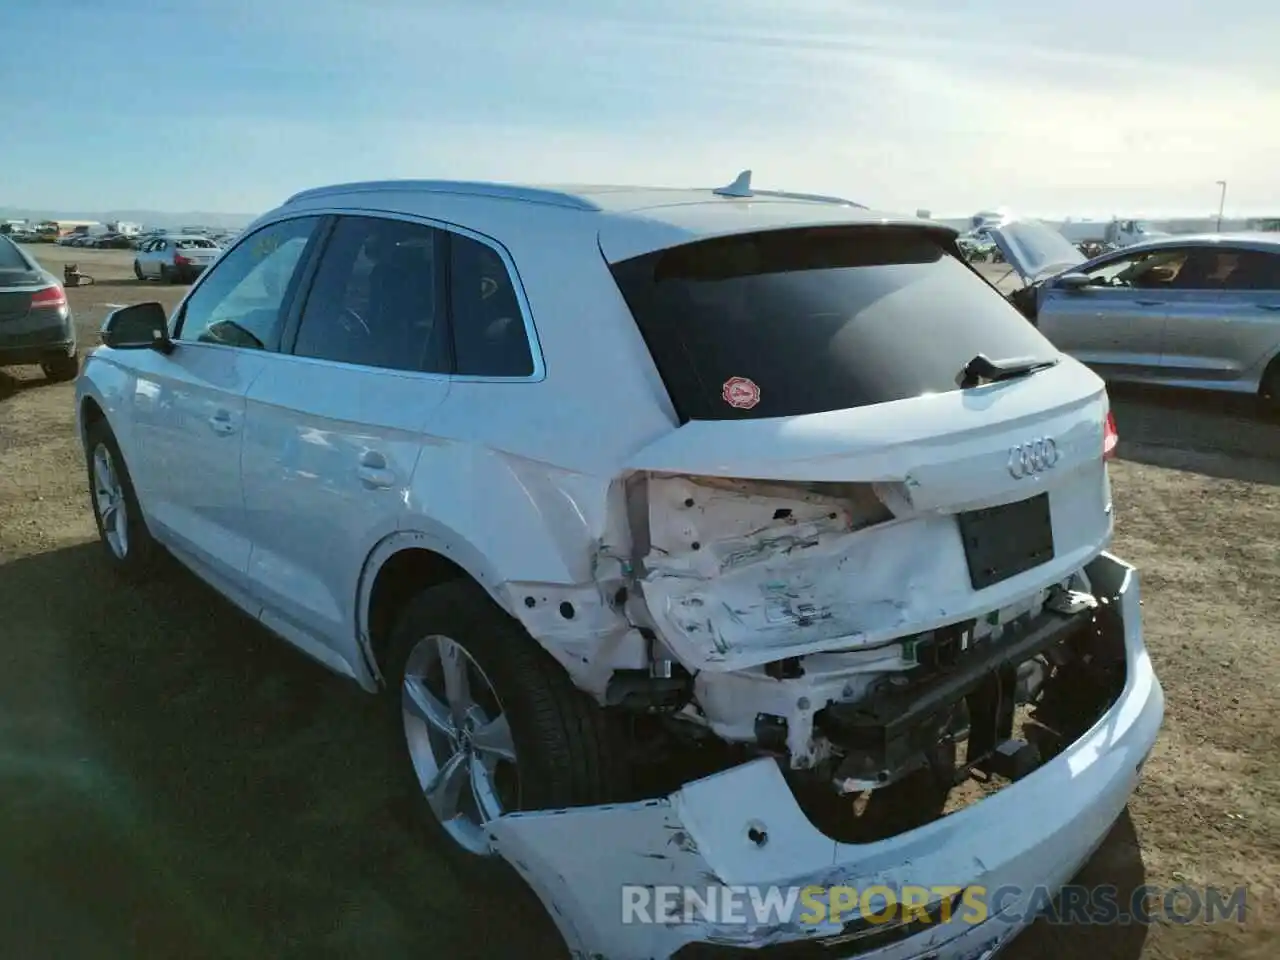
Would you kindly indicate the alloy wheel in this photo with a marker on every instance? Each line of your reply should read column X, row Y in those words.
column 108, row 498
column 459, row 740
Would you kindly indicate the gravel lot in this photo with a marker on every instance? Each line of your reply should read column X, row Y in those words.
column 176, row 783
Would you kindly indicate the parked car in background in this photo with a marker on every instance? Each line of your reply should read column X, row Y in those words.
column 174, row 258
column 36, row 326
column 1193, row 311
column 587, row 482
column 114, row 241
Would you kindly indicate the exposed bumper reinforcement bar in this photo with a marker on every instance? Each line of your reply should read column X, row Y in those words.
column 743, row 828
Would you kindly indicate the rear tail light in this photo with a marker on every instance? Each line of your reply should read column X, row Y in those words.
column 48, row 298
column 1110, row 437
column 180, row 260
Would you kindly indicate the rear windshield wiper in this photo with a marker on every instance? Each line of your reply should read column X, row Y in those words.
column 982, row 369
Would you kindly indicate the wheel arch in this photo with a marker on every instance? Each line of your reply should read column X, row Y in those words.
column 1270, row 366
column 400, row 566
column 88, row 412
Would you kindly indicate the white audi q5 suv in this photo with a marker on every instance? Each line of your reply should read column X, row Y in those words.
column 675, row 525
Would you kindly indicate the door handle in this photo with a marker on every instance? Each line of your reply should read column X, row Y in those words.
column 374, row 472
column 1148, row 303
column 1274, row 307
column 221, row 423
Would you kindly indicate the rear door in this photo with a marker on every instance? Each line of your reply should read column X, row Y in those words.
column 1231, row 341
column 1117, row 323
column 188, row 406
column 155, row 253
column 334, row 424
column 1197, row 332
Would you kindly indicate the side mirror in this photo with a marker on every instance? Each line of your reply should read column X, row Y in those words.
column 142, row 326
column 1073, row 281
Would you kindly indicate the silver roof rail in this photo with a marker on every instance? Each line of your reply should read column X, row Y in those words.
column 497, row 191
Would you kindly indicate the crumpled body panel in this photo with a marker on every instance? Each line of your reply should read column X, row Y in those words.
column 1037, row 831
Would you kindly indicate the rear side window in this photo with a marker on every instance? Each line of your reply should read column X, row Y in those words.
column 792, row 322
column 489, row 338
column 1254, row 271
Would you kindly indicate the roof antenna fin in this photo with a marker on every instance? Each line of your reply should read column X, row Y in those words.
column 741, row 187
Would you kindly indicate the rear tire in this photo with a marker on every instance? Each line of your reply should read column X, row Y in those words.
column 126, row 541
column 1269, row 391
column 137, row 270
column 60, row 369
column 566, row 750
column 166, row 275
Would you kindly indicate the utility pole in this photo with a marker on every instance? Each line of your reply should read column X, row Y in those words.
column 1222, row 202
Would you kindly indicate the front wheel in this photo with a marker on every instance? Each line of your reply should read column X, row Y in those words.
column 125, row 538
column 492, row 723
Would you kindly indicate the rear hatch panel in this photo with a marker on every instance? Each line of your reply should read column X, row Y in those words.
column 828, row 503
column 740, row 577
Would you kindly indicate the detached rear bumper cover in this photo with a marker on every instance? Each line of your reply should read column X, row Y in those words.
column 1034, row 833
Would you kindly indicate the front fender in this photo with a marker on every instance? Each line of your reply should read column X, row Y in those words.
column 111, row 387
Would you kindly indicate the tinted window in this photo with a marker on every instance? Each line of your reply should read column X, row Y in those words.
column 803, row 321
column 193, row 244
column 1255, row 271
column 488, row 328
column 377, row 298
column 240, row 301
column 11, row 257
column 1155, row 268
column 1207, row 269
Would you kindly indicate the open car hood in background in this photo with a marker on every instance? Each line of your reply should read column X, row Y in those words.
column 1034, row 249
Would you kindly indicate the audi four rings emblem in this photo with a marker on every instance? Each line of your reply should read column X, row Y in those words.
column 1034, row 456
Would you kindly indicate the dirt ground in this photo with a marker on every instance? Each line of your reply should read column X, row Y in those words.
column 174, row 782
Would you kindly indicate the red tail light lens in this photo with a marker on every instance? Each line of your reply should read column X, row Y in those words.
column 49, row 297
column 1110, row 437
column 179, row 260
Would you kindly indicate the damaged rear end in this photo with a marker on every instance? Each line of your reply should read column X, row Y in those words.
column 882, row 475
column 867, row 554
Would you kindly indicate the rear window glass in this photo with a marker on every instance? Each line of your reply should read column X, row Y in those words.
column 194, row 244
column 804, row 321
column 11, row 258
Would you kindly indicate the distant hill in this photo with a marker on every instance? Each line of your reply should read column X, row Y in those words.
column 150, row 218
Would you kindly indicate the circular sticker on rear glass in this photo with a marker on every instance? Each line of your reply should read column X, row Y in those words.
column 740, row 392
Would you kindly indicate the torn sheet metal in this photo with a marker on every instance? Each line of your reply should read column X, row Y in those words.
column 743, row 827
column 741, row 573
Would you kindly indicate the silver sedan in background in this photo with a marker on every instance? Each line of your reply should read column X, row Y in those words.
column 1197, row 311
column 174, row 258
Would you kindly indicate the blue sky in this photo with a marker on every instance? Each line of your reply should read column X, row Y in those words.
column 1088, row 108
